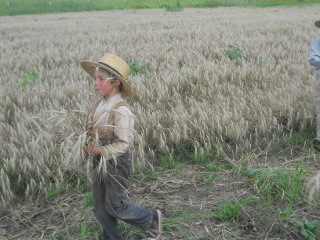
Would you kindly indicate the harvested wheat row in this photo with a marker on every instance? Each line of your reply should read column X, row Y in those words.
column 192, row 92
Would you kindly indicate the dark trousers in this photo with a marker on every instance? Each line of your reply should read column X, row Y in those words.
column 108, row 195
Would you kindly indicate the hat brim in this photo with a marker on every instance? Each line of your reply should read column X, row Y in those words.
column 317, row 23
column 89, row 66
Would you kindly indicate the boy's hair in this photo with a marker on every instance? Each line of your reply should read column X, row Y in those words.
column 113, row 79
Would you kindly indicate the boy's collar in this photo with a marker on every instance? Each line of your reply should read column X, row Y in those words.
column 113, row 98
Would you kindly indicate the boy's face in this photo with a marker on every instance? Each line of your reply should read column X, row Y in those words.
column 103, row 86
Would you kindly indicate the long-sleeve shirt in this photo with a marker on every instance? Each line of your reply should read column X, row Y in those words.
column 315, row 53
column 123, row 127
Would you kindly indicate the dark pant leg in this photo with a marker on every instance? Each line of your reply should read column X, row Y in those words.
column 316, row 99
column 115, row 198
column 108, row 222
column 109, row 193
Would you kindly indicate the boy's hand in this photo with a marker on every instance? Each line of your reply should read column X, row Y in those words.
column 92, row 149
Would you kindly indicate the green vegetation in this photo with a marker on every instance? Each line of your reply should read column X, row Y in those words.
column 309, row 230
column 272, row 183
column 175, row 8
column 19, row 7
column 136, row 67
column 9, row 113
column 227, row 210
column 234, row 53
column 29, row 79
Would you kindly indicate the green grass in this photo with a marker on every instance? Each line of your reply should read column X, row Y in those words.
column 275, row 184
column 227, row 210
column 29, row 79
column 20, row 7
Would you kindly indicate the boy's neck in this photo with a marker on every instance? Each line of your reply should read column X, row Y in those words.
column 112, row 94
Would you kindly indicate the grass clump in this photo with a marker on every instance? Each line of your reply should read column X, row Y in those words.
column 234, row 53
column 29, row 79
column 274, row 184
column 227, row 210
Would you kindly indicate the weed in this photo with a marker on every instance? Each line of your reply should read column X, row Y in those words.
column 153, row 175
column 169, row 162
column 51, row 192
column 218, row 165
column 192, row 79
column 261, row 62
column 29, row 79
column 208, row 177
column 139, row 174
column 286, row 213
column 85, row 186
column 88, row 202
column 169, row 224
column 234, row 53
column 227, row 210
column 309, row 230
column 131, row 232
column 9, row 113
column 202, row 156
column 136, row 68
column 272, row 183
column 84, row 232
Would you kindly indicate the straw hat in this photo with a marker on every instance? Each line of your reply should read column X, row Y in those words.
column 317, row 23
column 114, row 65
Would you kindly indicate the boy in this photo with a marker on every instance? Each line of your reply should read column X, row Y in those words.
column 110, row 136
column 315, row 62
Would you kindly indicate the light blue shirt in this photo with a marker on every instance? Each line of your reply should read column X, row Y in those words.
column 315, row 53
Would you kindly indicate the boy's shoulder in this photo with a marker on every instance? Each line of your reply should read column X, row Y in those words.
column 120, row 104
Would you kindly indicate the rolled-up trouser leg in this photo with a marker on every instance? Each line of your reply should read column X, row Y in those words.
column 316, row 99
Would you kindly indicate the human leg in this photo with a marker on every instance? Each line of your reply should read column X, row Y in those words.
column 109, row 204
column 115, row 198
column 108, row 222
column 316, row 99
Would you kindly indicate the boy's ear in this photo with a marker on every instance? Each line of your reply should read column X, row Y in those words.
column 117, row 82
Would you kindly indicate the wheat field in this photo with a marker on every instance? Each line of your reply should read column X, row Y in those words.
column 192, row 92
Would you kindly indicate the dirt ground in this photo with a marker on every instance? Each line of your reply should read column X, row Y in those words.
column 188, row 199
